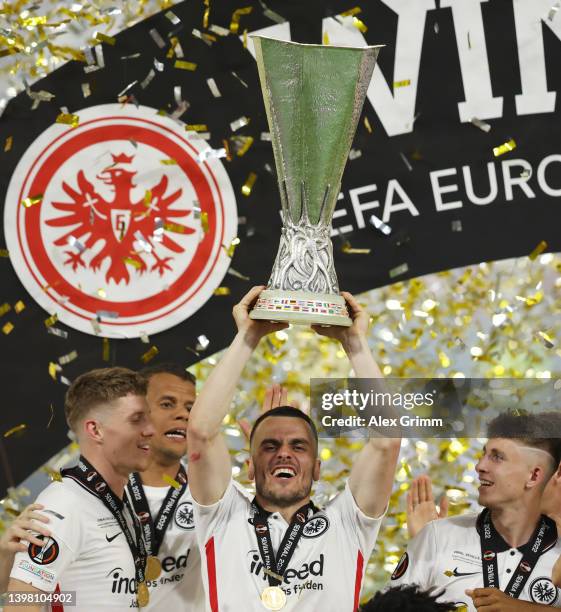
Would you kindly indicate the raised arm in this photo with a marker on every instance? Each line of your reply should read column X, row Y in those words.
column 373, row 472
column 209, row 461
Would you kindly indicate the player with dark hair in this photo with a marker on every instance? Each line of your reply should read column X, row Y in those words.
column 406, row 599
column 276, row 549
column 501, row 559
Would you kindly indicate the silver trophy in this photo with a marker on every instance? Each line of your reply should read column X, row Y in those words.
column 313, row 98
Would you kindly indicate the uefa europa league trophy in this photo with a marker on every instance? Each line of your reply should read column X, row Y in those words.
column 313, row 97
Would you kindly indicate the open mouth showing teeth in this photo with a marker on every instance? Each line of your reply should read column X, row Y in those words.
column 284, row 472
column 485, row 483
column 176, row 434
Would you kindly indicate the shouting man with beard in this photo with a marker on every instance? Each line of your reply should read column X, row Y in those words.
column 277, row 550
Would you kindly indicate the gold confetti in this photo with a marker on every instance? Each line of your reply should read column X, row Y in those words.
column 206, row 14
column 542, row 246
column 15, row 430
column 325, row 38
column 174, row 227
column 504, row 148
column 7, row 328
column 204, row 222
column 248, row 185
column 168, row 162
column 5, row 308
column 404, row 83
column 360, row 25
column 51, row 320
column 356, row 10
column 171, row 481
column 547, row 339
column 32, row 200
column 53, row 369
column 68, row 119
column 149, row 354
column 245, row 142
column 103, row 38
column 101, row 292
column 4, row 253
column 105, row 350
column 349, row 250
column 183, row 65
column 245, row 39
column 196, row 127
column 236, row 16
column 19, row 306
column 367, row 125
column 147, row 198
column 222, row 291
column 8, row 144
column 232, row 248
column 133, row 262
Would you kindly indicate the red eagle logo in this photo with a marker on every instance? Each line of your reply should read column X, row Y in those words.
column 119, row 223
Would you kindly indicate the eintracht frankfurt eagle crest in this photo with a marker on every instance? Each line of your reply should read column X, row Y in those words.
column 118, row 224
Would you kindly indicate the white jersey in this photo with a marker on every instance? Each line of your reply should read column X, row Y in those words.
column 446, row 554
column 325, row 572
column 86, row 553
column 180, row 585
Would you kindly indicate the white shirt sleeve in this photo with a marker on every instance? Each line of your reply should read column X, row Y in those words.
column 211, row 519
column 416, row 566
column 42, row 567
column 365, row 527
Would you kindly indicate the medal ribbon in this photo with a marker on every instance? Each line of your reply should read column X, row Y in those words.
column 491, row 543
column 88, row 477
column 288, row 545
column 154, row 531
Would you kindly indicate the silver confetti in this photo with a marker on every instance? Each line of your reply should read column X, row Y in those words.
column 234, row 272
column 211, row 154
column 482, row 125
column 399, row 270
column 55, row 331
column 202, row 342
column 553, row 11
column 148, row 79
column 86, row 91
column 457, row 225
column 95, row 326
column 74, row 242
column 266, row 136
column 354, row 154
column 158, row 65
column 240, row 80
column 144, row 337
column 239, row 123
column 129, row 86
column 99, row 56
column 406, row 162
column 143, row 243
column 219, row 30
column 107, row 314
column 213, row 88
column 173, row 17
column 156, row 37
column 380, row 225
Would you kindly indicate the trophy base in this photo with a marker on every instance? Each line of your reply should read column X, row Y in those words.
column 301, row 308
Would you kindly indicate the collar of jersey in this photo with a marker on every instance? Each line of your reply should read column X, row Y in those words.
column 500, row 545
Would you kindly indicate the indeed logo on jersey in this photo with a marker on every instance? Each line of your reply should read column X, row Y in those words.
column 310, row 570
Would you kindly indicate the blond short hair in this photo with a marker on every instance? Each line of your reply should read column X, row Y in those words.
column 97, row 387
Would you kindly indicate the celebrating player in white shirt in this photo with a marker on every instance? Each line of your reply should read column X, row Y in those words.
column 501, row 560
column 161, row 497
column 278, row 550
column 95, row 544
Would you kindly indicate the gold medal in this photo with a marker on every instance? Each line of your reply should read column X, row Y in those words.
column 153, row 568
column 142, row 595
column 273, row 598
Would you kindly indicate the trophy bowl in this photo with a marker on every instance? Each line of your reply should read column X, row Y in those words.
column 313, row 97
